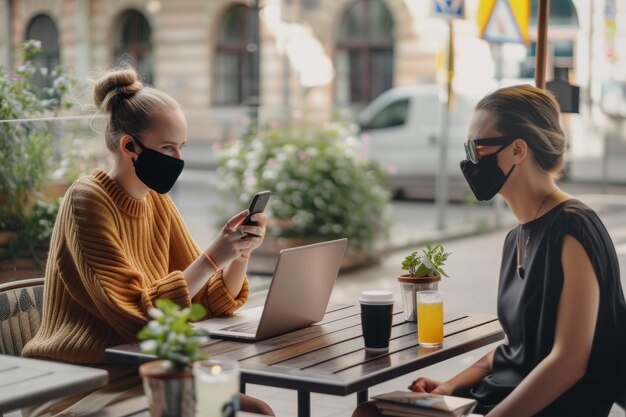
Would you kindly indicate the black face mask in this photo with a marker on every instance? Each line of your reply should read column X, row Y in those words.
column 158, row 171
column 485, row 178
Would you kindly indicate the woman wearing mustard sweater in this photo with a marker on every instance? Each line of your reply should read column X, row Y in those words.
column 119, row 242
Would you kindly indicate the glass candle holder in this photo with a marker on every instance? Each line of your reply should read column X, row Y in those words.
column 217, row 387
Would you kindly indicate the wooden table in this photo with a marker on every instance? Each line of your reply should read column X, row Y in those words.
column 25, row 381
column 330, row 358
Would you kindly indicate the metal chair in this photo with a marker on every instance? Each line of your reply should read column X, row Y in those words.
column 20, row 313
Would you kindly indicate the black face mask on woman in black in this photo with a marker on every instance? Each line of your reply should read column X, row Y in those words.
column 485, row 177
column 155, row 169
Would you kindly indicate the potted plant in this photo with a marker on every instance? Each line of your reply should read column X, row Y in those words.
column 168, row 382
column 425, row 269
column 26, row 161
column 323, row 187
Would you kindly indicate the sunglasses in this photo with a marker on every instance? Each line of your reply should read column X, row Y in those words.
column 470, row 146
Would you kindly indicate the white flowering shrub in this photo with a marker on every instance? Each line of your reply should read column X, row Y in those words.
column 323, row 187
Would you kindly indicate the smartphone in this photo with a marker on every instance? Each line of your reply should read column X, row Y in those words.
column 257, row 205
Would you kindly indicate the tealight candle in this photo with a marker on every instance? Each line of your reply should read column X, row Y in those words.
column 217, row 388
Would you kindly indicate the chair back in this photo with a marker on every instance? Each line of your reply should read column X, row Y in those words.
column 20, row 313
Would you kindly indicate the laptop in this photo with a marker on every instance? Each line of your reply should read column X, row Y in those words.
column 298, row 295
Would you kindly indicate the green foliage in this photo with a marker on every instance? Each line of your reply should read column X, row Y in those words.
column 170, row 336
column 427, row 264
column 38, row 227
column 322, row 186
column 26, row 148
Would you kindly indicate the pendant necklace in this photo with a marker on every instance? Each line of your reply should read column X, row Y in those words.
column 521, row 271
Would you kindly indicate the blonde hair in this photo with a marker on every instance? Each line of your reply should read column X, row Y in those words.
column 532, row 114
column 131, row 105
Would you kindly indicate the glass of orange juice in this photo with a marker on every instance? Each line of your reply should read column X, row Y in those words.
column 430, row 318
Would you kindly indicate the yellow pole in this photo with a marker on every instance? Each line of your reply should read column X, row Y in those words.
column 451, row 97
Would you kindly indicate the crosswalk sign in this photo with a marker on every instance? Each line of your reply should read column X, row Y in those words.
column 449, row 9
column 504, row 20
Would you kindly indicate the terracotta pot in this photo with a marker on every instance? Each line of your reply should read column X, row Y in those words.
column 6, row 237
column 170, row 393
column 409, row 286
column 53, row 189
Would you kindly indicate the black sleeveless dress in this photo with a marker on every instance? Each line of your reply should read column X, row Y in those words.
column 527, row 310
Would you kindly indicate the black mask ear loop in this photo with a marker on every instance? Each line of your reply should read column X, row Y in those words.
column 131, row 147
column 506, row 177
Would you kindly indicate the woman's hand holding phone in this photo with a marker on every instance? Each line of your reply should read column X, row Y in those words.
column 252, row 227
column 235, row 239
column 257, row 205
column 242, row 234
column 254, row 234
column 229, row 245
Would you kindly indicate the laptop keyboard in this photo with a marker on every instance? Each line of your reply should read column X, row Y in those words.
column 246, row 327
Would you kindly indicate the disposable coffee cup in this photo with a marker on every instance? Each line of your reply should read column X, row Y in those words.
column 376, row 317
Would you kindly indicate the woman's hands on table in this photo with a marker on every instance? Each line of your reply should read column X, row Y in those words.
column 431, row 386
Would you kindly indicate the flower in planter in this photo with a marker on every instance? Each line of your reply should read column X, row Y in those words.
column 428, row 263
column 323, row 187
column 425, row 269
column 170, row 336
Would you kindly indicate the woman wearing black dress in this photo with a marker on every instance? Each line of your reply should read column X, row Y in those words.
column 560, row 300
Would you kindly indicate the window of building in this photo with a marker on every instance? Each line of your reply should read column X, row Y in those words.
column 133, row 44
column 233, row 70
column 560, row 51
column 364, row 61
column 562, row 13
column 43, row 29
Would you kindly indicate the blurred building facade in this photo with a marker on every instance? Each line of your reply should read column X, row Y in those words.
column 308, row 57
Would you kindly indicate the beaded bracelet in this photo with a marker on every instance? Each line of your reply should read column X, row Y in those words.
column 211, row 261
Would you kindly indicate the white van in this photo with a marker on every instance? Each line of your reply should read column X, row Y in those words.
column 401, row 130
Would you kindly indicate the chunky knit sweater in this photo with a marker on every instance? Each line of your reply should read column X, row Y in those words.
column 111, row 256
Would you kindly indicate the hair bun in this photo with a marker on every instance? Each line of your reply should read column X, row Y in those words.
column 114, row 86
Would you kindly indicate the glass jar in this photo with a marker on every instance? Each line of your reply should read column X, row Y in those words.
column 409, row 286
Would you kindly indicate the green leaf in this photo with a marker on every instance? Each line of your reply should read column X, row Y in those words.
column 144, row 334
column 197, row 312
column 422, row 271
